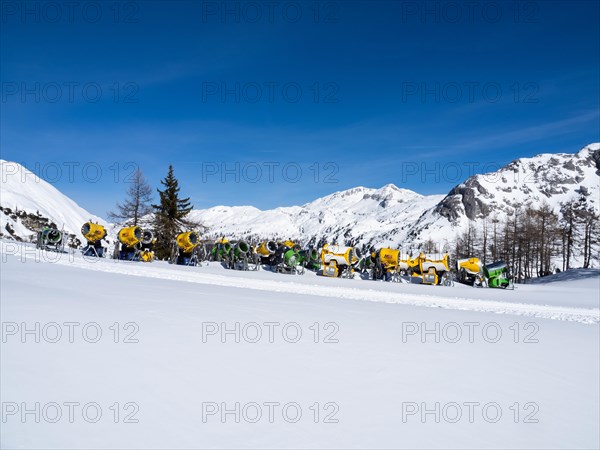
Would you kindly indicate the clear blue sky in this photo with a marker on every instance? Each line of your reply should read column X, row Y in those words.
column 368, row 93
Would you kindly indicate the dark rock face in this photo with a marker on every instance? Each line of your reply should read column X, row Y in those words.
column 596, row 159
column 465, row 197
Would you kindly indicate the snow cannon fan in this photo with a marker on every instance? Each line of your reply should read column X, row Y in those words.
column 49, row 238
column 433, row 269
column 93, row 233
column 339, row 260
column 130, row 239
column 188, row 241
column 309, row 258
column 266, row 248
column 241, row 248
column 497, row 275
column 469, row 271
column 147, row 237
column 183, row 252
column 131, row 236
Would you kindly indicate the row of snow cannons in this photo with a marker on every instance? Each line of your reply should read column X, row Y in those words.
column 386, row 264
column 282, row 257
column 133, row 243
column 335, row 261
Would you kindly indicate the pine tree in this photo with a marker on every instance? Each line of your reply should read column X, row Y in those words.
column 136, row 205
column 170, row 215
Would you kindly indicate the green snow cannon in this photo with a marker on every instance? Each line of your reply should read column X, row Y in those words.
column 51, row 236
column 241, row 249
column 496, row 275
column 220, row 250
column 309, row 258
column 291, row 258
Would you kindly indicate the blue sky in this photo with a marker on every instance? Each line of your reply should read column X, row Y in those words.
column 275, row 104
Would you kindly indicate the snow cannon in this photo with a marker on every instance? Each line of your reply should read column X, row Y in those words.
column 237, row 256
column 221, row 250
column 93, row 233
column 497, row 275
column 266, row 248
column 183, row 252
column 241, row 248
column 407, row 264
column 339, row 260
column 469, row 271
column 148, row 237
column 130, row 240
column 385, row 263
column 49, row 238
column 432, row 269
column 187, row 241
column 131, row 236
column 309, row 258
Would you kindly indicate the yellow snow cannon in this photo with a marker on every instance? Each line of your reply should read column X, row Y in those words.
column 130, row 239
column 385, row 263
column 433, row 268
column 289, row 244
column 389, row 258
column 93, row 233
column 266, row 248
column 148, row 241
column 469, row 271
column 339, row 260
column 188, row 241
column 131, row 236
column 407, row 264
column 184, row 251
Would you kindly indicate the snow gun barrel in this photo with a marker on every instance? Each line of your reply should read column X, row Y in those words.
column 188, row 241
column 147, row 237
column 427, row 261
column 266, row 248
column 130, row 236
column 241, row 248
column 93, row 232
column 342, row 255
column 51, row 235
column 495, row 270
column 389, row 257
column 471, row 265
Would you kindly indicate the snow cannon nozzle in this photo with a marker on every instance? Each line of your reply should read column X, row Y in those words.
column 93, row 232
column 130, row 236
column 147, row 237
column 188, row 241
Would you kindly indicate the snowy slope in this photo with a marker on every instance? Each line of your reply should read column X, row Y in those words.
column 21, row 190
column 363, row 364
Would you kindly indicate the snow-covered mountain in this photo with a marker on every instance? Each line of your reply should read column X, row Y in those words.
column 386, row 216
column 356, row 215
column 550, row 178
column 27, row 202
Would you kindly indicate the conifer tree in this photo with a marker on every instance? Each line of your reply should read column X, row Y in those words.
column 170, row 215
